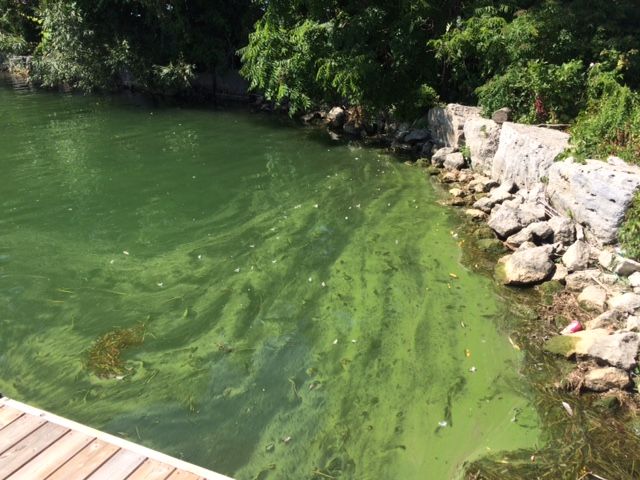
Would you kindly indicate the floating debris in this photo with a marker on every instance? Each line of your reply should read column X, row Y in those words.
column 442, row 423
column 467, row 352
column 160, row 284
column 125, row 252
column 315, row 206
column 568, row 408
column 354, row 340
column 286, row 440
column 335, row 342
column 453, row 275
column 323, row 284
column 473, row 369
column 104, row 356
column 310, row 280
column 237, row 270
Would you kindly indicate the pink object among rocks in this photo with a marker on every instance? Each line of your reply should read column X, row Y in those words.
column 573, row 327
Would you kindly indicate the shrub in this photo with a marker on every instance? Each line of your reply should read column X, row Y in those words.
column 629, row 234
column 536, row 91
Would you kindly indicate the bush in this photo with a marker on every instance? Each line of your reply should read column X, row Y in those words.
column 629, row 234
column 536, row 92
column 610, row 125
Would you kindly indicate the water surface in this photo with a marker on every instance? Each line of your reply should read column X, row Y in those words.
column 306, row 313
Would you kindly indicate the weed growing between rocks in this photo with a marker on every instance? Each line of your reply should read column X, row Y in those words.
column 104, row 358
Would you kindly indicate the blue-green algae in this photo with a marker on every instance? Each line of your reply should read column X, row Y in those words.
column 305, row 310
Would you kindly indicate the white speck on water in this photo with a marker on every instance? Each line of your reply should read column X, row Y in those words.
column 125, row 252
column 397, row 242
column 310, row 279
column 346, row 218
column 323, row 284
column 274, row 261
column 358, row 206
column 442, row 423
column 199, row 257
column 473, row 369
column 252, row 246
column 237, row 270
column 70, row 209
column 297, row 206
column 112, row 262
column 388, row 204
column 194, row 177
column 335, row 342
column 353, row 340
column 160, row 284
column 315, row 206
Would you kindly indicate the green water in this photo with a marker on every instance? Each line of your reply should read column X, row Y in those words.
column 291, row 288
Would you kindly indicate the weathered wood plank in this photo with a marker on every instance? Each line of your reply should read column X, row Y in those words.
column 53, row 457
column 17, row 430
column 27, row 448
column 118, row 467
column 86, row 461
column 152, row 470
column 8, row 415
column 183, row 475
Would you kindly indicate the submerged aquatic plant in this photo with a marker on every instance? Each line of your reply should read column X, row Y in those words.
column 104, row 356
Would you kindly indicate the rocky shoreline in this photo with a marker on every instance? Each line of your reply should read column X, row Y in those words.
column 558, row 217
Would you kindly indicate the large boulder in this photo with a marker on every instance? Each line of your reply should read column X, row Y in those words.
column 481, row 138
column 454, row 161
column 597, row 194
column 525, row 153
column 606, row 378
column 537, row 232
column 593, row 297
column 583, row 278
column 625, row 266
column 440, row 155
column 446, row 124
column 526, row 267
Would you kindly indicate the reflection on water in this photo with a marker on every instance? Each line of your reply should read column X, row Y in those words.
column 300, row 316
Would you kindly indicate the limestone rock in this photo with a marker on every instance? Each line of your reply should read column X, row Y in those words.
column 481, row 137
column 597, row 194
column 560, row 275
column 627, row 302
column 625, row 266
column 564, row 230
column 605, row 259
column 577, row 256
column 606, row 378
column 446, row 124
column 579, row 280
column 593, row 298
column 525, row 153
column 454, row 161
column 618, row 350
column 475, row 214
column 502, row 115
column 537, row 232
column 498, row 195
column 633, row 323
column 416, row 136
column 456, row 192
column 526, row 267
column 336, row 118
column 634, row 279
column 440, row 155
column 609, row 319
column 504, row 220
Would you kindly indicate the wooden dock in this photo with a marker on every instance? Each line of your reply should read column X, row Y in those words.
column 36, row 445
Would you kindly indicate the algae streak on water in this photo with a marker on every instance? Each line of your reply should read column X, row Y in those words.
column 300, row 319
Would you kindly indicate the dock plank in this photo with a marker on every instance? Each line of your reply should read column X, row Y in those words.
column 78, row 451
column 27, row 448
column 87, row 460
column 8, row 415
column 53, row 457
column 152, row 470
column 118, row 467
column 183, row 475
column 17, row 430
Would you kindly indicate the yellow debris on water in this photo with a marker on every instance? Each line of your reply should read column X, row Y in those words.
column 453, row 275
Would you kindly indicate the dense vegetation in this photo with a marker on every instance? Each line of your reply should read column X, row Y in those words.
column 557, row 61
